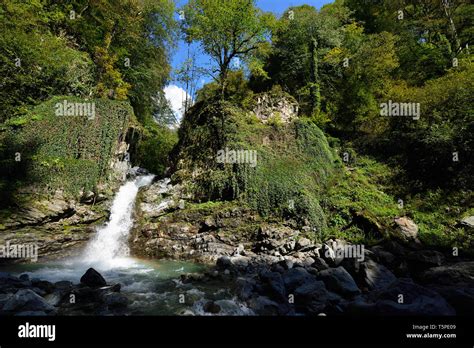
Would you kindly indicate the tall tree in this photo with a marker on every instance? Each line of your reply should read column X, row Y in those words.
column 227, row 30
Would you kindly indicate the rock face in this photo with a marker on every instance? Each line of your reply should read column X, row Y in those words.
column 268, row 107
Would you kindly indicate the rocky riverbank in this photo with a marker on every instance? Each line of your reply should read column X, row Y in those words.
column 276, row 270
column 22, row 296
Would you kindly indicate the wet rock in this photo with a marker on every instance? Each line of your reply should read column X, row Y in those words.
column 92, row 278
column 27, row 300
column 187, row 313
column 54, row 299
column 44, row 285
column 339, row 281
column 211, row 307
column 24, row 277
column 264, row 306
column 63, row 285
column 115, row 300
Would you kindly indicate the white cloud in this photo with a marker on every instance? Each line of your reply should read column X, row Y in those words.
column 176, row 96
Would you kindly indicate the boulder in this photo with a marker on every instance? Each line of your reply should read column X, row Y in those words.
column 458, row 273
column 311, row 297
column 421, row 260
column 115, row 300
column 406, row 229
column 296, row 277
column 404, row 297
column 460, row 298
column 467, row 222
column 376, row 276
column 93, row 279
column 211, row 307
column 264, row 306
column 274, row 285
column 339, row 281
column 27, row 300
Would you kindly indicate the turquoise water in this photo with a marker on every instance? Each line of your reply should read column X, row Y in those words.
column 153, row 287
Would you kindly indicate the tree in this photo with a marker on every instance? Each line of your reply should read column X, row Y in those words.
column 227, row 30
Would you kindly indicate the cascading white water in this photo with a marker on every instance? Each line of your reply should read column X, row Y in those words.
column 109, row 247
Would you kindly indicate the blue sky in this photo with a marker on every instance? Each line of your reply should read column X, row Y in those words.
column 174, row 91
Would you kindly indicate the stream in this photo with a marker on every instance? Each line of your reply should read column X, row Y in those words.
column 153, row 287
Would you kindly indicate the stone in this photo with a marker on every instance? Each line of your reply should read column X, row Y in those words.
column 417, row 300
column 274, row 285
column 458, row 273
column 25, row 277
column 223, row 262
column 319, row 264
column 92, row 278
column 461, row 299
column 311, row 297
column 296, row 277
column 264, row 306
column 43, row 285
column 302, row 243
column 115, row 300
column 339, row 281
column 406, row 229
column 385, row 257
column 468, row 222
column 27, row 300
column 211, row 307
column 421, row 260
column 376, row 276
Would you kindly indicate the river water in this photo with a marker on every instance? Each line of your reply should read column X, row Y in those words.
column 153, row 287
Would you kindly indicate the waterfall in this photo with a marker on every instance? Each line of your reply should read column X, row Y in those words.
column 109, row 247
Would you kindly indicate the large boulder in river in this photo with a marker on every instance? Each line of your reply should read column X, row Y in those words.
column 93, row 278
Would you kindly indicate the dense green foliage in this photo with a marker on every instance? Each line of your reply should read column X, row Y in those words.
column 87, row 51
column 341, row 63
column 69, row 153
column 293, row 163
